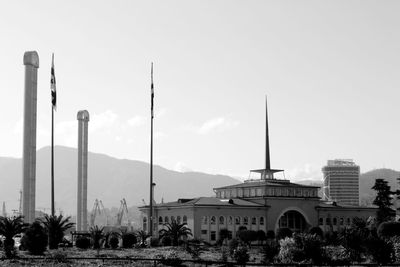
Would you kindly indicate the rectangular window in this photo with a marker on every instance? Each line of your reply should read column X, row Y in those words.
column 234, row 193
column 246, row 192
column 259, row 192
column 228, row 194
column 229, row 235
column 240, row 192
column 203, row 232
column 213, row 236
column 252, row 192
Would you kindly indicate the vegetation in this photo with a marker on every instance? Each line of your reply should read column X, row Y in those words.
column 389, row 229
column 282, row 233
column 82, row 242
column 9, row 228
column 56, row 227
column 129, row 239
column 176, row 231
column 143, row 235
column 383, row 200
column 97, row 236
column 36, row 238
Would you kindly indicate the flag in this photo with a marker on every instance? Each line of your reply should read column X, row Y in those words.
column 152, row 93
column 53, row 85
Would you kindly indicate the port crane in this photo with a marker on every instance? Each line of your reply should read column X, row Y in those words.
column 122, row 210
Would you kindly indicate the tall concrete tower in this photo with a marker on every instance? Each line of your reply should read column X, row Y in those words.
column 31, row 62
column 83, row 119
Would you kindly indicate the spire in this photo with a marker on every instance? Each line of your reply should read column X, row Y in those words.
column 267, row 158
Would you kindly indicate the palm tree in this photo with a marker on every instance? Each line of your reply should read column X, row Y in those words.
column 97, row 235
column 142, row 236
column 175, row 231
column 10, row 227
column 56, row 226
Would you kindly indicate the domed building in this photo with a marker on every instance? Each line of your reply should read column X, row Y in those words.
column 265, row 203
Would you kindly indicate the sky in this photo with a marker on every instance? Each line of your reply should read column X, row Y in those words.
column 330, row 70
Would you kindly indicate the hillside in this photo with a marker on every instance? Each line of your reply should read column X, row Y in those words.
column 110, row 180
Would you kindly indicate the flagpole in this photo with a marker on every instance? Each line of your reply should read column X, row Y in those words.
column 151, row 157
column 52, row 161
column 53, row 105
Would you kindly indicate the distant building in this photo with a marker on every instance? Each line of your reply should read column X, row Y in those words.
column 341, row 182
column 265, row 204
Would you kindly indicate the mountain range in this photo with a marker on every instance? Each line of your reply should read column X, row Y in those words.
column 111, row 179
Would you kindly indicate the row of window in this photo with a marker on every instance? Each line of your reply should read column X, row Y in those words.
column 259, row 192
column 171, row 219
column 230, row 219
column 334, row 221
column 213, row 235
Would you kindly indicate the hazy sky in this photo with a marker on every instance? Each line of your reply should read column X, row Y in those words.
column 330, row 70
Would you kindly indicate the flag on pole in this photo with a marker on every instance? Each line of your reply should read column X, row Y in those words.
column 152, row 92
column 53, row 85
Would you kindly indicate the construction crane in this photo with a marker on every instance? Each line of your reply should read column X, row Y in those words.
column 104, row 211
column 96, row 210
column 122, row 209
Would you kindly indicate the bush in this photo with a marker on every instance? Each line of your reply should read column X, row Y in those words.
column 172, row 259
column 128, row 240
column 336, row 255
column 247, row 236
column 261, row 236
column 154, row 242
column 114, row 240
column 396, row 247
column 352, row 240
column 36, row 239
column 389, row 229
column 270, row 251
column 311, row 245
column 381, row 250
column 166, row 241
column 241, row 255
column 60, row 256
column 82, row 242
column 232, row 245
column 282, row 233
column 317, row 231
column 289, row 252
column 270, row 234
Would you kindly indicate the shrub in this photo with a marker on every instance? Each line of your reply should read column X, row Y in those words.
column 389, row 229
column 381, row 250
column 336, row 255
column 224, row 253
column 289, row 252
column 261, row 236
column 282, row 233
column 332, row 238
column 270, row 234
column 317, row 231
column 172, row 259
column 396, row 247
column 311, row 246
column 247, row 236
column 97, row 236
column 82, row 242
column 128, row 240
column 241, row 255
column 232, row 245
column 352, row 239
column 114, row 240
column 154, row 242
column 166, row 241
column 60, row 256
column 194, row 249
column 36, row 239
column 223, row 234
column 270, row 251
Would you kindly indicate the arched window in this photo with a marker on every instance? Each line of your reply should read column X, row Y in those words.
column 205, row 220
column 341, row 221
column 172, row 219
column 293, row 220
column 245, row 220
column 230, row 220
column 253, row 220
column 160, row 220
column 348, row 221
column 178, row 219
column 144, row 223
column 221, row 220
column 261, row 220
column 328, row 221
column 334, row 221
column 212, row 220
column 184, row 219
column 321, row 221
column 237, row 220
column 166, row 219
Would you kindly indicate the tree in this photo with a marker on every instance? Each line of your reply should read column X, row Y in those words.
column 176, row 231
column 56, row 227
column 223, row 235
column 10, row 227
column 143, row 235
column 97, row 235
column 383, row 200
column 36, row 238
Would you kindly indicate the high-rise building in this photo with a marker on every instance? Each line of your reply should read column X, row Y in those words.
column 341, row 182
